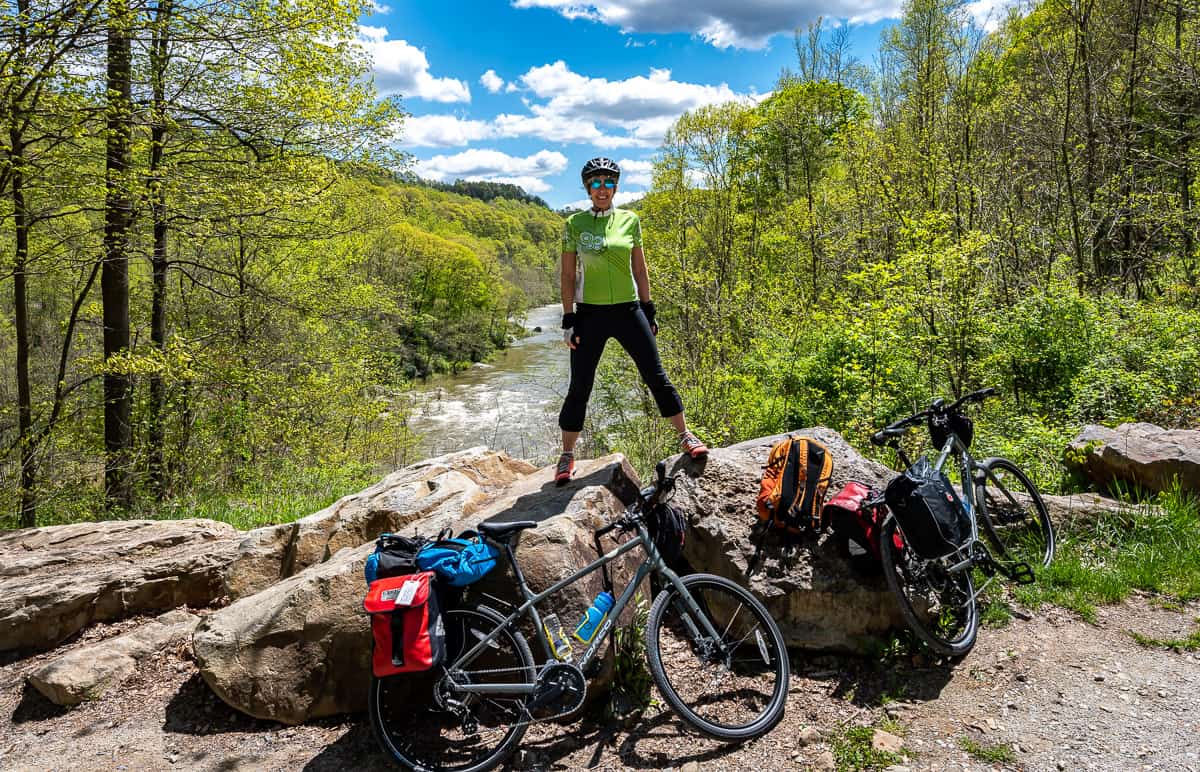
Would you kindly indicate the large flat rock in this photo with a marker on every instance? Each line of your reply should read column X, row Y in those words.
column 819, row 601
column 300, row 648
column 1143, row 455
column 55, row 581
column 416, row 493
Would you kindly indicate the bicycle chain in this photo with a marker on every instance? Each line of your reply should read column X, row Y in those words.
column 529, row 719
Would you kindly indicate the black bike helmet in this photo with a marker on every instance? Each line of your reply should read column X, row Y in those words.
column 600, row 166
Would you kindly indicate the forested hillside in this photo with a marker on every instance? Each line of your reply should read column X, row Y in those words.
column 1014, row 209
column 207, row 284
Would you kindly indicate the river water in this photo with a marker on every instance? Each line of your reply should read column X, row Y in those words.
column 510, row 403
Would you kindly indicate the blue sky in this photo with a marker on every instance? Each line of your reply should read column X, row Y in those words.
column 525, row 91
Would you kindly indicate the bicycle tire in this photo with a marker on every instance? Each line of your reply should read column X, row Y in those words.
column 667, row 633
column 404, row 710
column 907, row 573
column 1034, row 546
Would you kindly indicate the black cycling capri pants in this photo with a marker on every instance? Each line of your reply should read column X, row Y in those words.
column 594, row 325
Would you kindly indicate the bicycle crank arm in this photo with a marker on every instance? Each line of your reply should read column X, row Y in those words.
column 1021, row 573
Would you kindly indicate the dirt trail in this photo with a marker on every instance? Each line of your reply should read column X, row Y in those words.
column 1063, row 694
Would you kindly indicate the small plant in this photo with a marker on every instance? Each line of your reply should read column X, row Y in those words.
column 996, row 614
column 1190, row 643
column 993, row 753
column 853, row 750
column 631, row 679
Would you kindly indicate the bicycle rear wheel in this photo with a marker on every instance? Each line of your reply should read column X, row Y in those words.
column 937, row 605
column 1013, row 515
column 424, row 725
column 732, row 687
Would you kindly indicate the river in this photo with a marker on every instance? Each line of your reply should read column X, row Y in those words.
column 510, row 403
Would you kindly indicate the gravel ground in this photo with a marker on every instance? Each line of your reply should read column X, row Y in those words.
column 1059, row 693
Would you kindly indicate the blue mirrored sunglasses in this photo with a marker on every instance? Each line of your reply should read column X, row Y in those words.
column 595, row 184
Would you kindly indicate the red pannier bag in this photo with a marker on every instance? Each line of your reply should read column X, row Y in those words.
column 850, row 519
column 406, row 624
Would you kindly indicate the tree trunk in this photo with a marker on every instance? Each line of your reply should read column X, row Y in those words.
column 25, row 438
column 114, row 280
column 1185, row 167
column 158, row 208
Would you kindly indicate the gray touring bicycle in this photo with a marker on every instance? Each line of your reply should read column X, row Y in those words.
column 715, row 654
column 1005, row 511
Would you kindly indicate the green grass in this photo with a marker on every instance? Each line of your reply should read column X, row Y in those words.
column 281, row 498
column 852, row 750
column 994, row 612
column 1190, row 643
column 1141, row 547
column 992, row 753
column 278, row 495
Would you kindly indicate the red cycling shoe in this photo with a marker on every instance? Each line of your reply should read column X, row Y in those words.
column 565, row 468
column 692, row 445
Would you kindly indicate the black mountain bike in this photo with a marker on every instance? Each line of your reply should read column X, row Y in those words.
column 937, row 596
column 715, row 653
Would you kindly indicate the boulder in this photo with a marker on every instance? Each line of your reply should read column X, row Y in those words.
column 87, row 672
column 1079, row 511
column 55, row 581
column 414, row 493
column 1143, row 455
column 300, row 648
column 819, row 601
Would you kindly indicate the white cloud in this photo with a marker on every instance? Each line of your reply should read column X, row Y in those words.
column 635, row 112
column 402, row 69
column 989, row 13
column 724, row 24
column 443, row 131
column 495, row 166
column 569, row 108
column 491, row 81
column 376, row 7
column 635, row 172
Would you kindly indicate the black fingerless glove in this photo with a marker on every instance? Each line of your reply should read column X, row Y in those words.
column 648, row 310
column 568, row 320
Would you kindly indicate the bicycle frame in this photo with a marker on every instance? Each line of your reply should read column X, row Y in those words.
column 653, row 562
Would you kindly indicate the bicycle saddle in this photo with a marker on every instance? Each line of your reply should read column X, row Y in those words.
column 502, row 531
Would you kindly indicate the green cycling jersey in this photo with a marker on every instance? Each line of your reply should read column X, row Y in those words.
column 603, row 244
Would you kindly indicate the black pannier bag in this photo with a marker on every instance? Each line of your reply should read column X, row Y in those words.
column 929, row 511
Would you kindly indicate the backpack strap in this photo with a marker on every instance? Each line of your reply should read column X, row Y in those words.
column 820, row 470
column 788, row 485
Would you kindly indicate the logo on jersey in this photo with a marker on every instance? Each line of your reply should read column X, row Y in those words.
column 592, row 242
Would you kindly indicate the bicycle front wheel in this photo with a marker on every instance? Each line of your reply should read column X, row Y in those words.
column 718, row 658
column 1013, row 515
column 937, row 605
column 423, row 724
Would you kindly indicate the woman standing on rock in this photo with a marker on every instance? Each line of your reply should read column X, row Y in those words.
column 606, row 294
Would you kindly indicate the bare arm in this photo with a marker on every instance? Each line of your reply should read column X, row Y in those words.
column 641, row 274
column 567, row 282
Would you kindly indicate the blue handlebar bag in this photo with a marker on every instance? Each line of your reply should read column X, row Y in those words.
column 459, row 561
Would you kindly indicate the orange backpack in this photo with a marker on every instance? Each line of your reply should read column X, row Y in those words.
column 791, row 495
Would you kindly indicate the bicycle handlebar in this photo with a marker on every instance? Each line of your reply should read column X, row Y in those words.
column 648, row 498
column 937, row 407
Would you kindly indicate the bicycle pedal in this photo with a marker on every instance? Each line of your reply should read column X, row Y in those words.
column 1022, row 573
